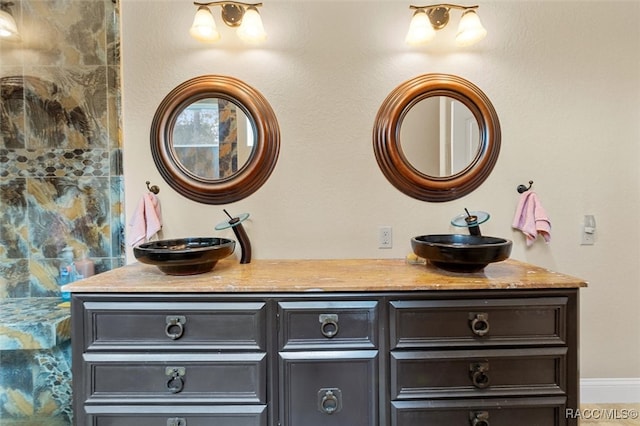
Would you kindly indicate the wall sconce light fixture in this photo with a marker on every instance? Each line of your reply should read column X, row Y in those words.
column 427, row 19
column 8, row 27
column 245, row 16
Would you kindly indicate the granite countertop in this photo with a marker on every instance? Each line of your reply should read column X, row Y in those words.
column 342, row 275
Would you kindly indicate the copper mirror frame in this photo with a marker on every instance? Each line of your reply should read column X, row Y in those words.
column 387, row 146
column 250, row 177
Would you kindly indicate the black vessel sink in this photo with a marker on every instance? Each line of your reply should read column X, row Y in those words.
column 184, row 256
column 459, row 252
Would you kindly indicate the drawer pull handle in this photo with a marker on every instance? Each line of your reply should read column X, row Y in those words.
column 478, row 373
column 479, row 418
column 175, row 384
column 174, row 327
column 479, row 323
column 177, row 422
column 329, row 325
column 329, row 400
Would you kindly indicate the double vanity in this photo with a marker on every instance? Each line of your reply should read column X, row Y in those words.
column 326, row 342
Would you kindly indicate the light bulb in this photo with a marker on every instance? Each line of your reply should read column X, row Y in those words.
column 251, row 30
column 420, row 29
column 204, row 27
column 8, row 27
column 470, row 30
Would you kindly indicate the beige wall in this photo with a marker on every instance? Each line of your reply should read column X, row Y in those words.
column 566, row 88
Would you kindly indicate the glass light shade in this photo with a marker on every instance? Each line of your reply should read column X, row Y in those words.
column 8, row 27
column 204, row 27
column 470, row 30
column 420, row 29
column 251, row 30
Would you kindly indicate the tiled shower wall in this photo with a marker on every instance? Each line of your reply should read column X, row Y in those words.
column 60, row 154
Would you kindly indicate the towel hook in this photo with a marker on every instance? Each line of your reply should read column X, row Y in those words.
column 522, row 189
column 153, row 188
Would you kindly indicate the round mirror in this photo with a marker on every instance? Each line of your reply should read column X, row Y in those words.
column 436, row 137
column 440, row 136
column 215, row 139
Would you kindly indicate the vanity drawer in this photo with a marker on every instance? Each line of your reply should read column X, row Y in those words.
column 169, row 378
column 329, row 388
column 328, row 325
column 174, row 325
column 478, row 322
column 480, row 373
column 140, row 415
column 500, row 412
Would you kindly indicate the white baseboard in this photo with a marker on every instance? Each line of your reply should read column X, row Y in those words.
column 610, row 391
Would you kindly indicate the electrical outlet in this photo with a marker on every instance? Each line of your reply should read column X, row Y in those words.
column 385, row 237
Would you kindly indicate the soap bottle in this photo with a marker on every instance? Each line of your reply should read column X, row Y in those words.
column 68, row 273
column 85, row 267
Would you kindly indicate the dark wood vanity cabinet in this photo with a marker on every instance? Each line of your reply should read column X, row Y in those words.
column 494, row 358
column 328, row 352
column 478, row 358
column 168, row 360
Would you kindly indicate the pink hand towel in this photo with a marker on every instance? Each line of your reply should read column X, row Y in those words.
column 146, row 220
column 531, row 218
